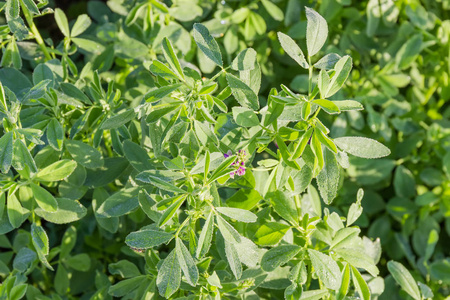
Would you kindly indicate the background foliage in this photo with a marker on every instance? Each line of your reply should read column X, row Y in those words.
column 114, row 182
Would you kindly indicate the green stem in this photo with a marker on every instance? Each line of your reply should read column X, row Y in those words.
column 310, row 76
column 182, row 226
column 35, row 32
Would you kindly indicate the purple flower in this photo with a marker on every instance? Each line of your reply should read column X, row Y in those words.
column 228, row 154
column 241, row 171
column 232, row 174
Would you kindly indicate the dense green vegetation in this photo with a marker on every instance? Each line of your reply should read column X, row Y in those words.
column 284, row 149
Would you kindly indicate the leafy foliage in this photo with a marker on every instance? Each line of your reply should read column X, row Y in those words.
column 213, row 150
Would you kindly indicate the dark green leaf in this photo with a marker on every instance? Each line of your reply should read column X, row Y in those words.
column 207, row 44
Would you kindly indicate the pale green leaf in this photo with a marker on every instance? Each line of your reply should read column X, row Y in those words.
column 57, row 171
column 169, row 275
column 362, row 147
column 242, row 92
column 238, row 214
column 404, row 279
column 326, row 269
column 43, row 198
column 186, row 262
column 316, row 31
column 245, row 60
column 278, row 256
column 68, row 211
column 207, row 44
column 147, row 238
column 292, row 49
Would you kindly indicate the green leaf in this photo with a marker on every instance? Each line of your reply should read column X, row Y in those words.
column 81, row 24
column 18, row 291
column 362, row 147
column 72, row 91
column 22, row 159
column 355, row 209
column 24, row 259
column 228, row 232
column 292, row 49
column 328, row 106
column 16, row 213
column 326, row 269
column 270, row 234
column 404, row 183
column 160, row 69
column 159, row 93
column 6, row 151
column 244, row 199
column 345, row 237
column 57, row 171
column 222, row 169
column 283, row 205
column 245, row 117
column 317, row 149
column 68, row 211
column 125, row 287
column 274, row 11
column 62, row 280
column 89, row 45
column 342, row 70
column 124, row 268
column 207, row 44
column 172, row 58
column 186, row 262
column 84, row 154
column 55, row 134
column 169, row 275
column 147, row 238
column 118, row 120
column 12, row 9
column 348, row 105
column 170, row 212
column 137, row 156
column 313, row 295
column 43, row 198
column 242, row 92
column 245, row 60
column 316, row 31
column 327, row 62
column 68, row 241
column 80, row 262
column 360, row 285
column 409, row 52
column 214, row 280
column 120, row 203
column 204, row 241
column 328, row 178
column 40, row 242
column 359, row 259
column 278, row 256
column 159, row 181
column 238, row 214
column 345, row 284
column 323, row 82
column 160, row 110
column 404, row 279
column 62, row 22
column 233, row 259
column 325, row 140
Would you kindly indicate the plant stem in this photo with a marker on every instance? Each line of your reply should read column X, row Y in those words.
column 35, row 32
column 310, row 76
